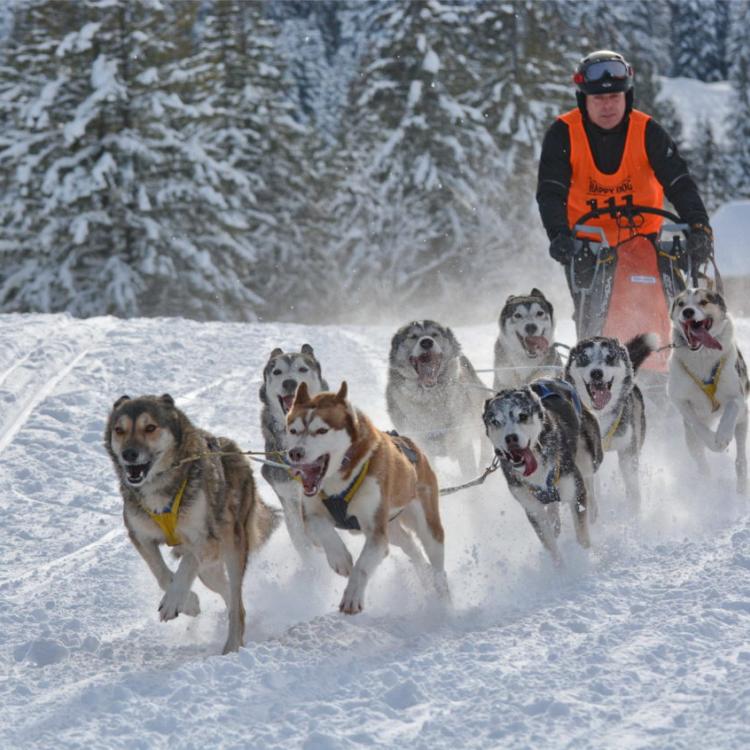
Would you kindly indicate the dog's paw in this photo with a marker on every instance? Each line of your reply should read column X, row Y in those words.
column 174, row 603
column 341, row 563
column 721, row 442
column 353, row 601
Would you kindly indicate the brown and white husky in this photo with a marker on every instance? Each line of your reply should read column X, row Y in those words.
column 358, row 478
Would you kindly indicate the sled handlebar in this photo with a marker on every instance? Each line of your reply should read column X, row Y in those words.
column 627, row 211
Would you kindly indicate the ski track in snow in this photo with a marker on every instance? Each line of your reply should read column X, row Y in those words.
column 641, row 643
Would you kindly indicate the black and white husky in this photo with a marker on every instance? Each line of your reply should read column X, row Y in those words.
column 549, row 447
column 603, row 372
column 524, row 347
column 708, row 380
column 434, row 395
column 283, row 372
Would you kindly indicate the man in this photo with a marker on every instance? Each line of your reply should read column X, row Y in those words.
column 606, row 153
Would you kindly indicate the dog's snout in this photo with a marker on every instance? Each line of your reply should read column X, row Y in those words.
column 426, row 343
column 597, row 375
column 289, row 385
column 297, row 454
column 511, row 440
column 688, row 313
column 130, row 455
column 530, row 329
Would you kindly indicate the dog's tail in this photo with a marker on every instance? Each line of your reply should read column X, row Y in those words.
column 640, row 346
column 261, row 523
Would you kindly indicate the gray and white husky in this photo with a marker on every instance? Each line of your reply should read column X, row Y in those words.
column 603, row 372
column 524, row 347
column 708, row 380
column 549, row 447
column 434, row 395
column 283, row 372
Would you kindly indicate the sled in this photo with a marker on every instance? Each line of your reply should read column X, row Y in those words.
column 627, row 288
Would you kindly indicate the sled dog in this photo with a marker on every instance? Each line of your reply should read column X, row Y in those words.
column 357, row 478
column 283, row 372
column 206, row 509
column 549, row 448
column 434, row 393
column 524, row 347
column 708, row 380
column 603, row 372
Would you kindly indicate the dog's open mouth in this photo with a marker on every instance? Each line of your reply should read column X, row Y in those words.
column 599, row 392
column 427, row 366
column 312, row 474
column 522, row 458
column 136, row 473
column 286, row 402
column 697, row 334
column 534, row 346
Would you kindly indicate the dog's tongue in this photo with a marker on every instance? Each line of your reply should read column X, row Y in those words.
column 427, row 367
column 698, row 333
column 310, row 475
column 287, row 401
column 527, row 456
column 600, row 395
column 537, row 344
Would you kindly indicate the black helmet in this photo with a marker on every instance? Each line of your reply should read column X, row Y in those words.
column 603, row 72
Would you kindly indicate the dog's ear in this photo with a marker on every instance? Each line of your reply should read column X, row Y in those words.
column 275, row 353
column 716, row 299
column 166, row 399
column 307, row 349
column 536, row 293
column 301, row 395
column 120, row 401
column 343, row 390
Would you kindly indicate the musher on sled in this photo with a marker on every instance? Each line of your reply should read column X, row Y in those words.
column 608, row 166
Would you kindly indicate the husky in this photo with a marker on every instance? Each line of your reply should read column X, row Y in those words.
column 283, row 372
column 176, row 492
column 524, row 347
column 549, row 447
column 356, row 477
column 708, row 381
column 433, row 393
column 603, row 373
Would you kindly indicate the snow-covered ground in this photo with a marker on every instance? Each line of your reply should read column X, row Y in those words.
column 641, row 643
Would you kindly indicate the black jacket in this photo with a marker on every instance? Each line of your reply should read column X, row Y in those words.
column 607, row 147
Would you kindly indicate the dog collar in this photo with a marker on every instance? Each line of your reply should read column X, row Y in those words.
column 337, row 505
column 167, row 519
column 710, row 385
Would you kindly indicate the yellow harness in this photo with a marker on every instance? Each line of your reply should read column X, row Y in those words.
column 167, row 519
column 709, row 386
column 607, row 439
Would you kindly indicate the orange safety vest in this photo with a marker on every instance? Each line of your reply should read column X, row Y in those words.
column 634, row 179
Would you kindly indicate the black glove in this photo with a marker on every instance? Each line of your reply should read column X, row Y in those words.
column 700, row 243
column 562, row 248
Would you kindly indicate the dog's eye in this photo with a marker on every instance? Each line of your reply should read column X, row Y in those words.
column 517, row 316
column 292, row 431
column 583, row 360
column 149, row 428
column 522, row 418
column 540, row 314
column 703, row 303
column 119, row 431
column 277, row 371
column 321, row 431
column 680, row 304
column 609, row 359
column 304, row 369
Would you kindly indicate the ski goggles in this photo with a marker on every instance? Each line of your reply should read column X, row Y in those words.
column 597, row 71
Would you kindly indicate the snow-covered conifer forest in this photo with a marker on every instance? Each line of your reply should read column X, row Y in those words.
column 234, row 160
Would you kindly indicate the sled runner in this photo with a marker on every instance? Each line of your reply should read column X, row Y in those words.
column 623, row 281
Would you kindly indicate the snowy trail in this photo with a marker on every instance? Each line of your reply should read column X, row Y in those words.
column 641, row 643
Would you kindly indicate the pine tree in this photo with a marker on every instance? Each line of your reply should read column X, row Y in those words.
column 739, row 121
